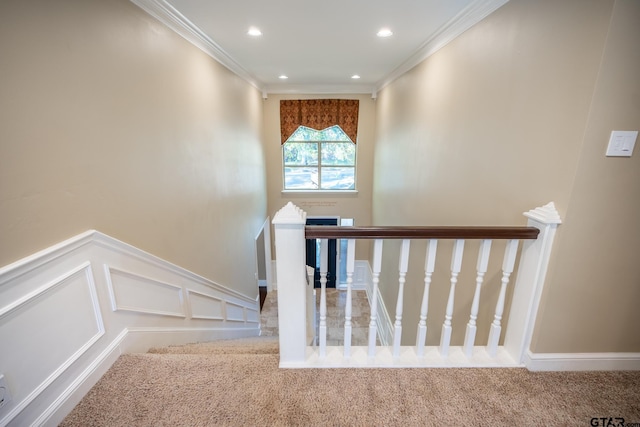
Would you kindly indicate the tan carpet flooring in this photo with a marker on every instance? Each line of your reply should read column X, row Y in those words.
column 238, row 383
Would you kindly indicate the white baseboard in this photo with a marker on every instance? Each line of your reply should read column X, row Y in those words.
column 582, row 361
column 92, row 298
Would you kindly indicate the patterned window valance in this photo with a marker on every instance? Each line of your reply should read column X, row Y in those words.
column 319, row 114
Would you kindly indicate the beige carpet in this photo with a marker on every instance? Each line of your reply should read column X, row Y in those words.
column 238, row 383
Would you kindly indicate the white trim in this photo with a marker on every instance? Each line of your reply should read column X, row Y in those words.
column 319, row 89
column 407, row 358
column 60, row 370
column 325, row 192
column 256, row 318
column 4, row 311
column 109, row 271
column 211, row 297
column 234, row 319
column 51, row 392
column 140, row 255
column 174, row 20
column 82, row 383
column 16, row 269
column 467, row 18
column 532, row 270
column 582, row 361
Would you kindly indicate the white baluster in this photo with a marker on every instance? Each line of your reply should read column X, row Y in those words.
column 507, row 268
column 373, row 323
column 351, row 255
column 456, row 263
column 429, row 266
column 322, row 330
column 404, row 264
column 481, row 267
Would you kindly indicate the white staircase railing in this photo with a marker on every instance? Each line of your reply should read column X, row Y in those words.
column 290, row 235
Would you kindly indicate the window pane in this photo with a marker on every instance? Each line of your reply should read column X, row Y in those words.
column 300, row 153
column 300, row 178
column 338, row 178
column 333, row 133
column 338, row 154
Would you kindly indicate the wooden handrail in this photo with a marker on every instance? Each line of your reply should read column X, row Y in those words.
column 403, row 232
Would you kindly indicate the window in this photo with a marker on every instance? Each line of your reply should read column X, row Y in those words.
column 319, row 160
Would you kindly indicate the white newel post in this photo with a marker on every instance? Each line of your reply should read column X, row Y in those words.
column 289, row 223
column 529, row 283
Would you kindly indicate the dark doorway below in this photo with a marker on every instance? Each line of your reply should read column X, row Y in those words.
column 263, row 295
column 313, row 253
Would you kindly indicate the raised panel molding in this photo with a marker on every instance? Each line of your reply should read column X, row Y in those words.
column 133, row 292
column 63, row 335
column 69, row 311
column 253, row 316
column 234, row 312
column 204, row 306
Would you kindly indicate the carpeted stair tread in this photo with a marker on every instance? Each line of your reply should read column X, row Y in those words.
column 254, row 345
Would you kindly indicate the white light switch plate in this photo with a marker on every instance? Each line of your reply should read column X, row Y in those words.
column 621, row 143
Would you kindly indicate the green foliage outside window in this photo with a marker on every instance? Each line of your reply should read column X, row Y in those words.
column 319, row 160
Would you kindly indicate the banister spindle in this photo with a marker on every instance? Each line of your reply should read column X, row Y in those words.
column 373, row 322
column 456, row 264
column 481, row 267
column 403, row 267
column 429, row 267
column 322, row 329
column 507, row 268
column 351, row 255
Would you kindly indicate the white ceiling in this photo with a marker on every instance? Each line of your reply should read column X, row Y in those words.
column 320, row 44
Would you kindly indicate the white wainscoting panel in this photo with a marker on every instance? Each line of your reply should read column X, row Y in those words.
column 68, row 312
column 204, row 306
column 253, row 316
column 235, row 312
column 25, row 337
column 130, row 292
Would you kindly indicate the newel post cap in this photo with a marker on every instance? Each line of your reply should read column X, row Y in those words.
column 290, row 214
column 546, row 214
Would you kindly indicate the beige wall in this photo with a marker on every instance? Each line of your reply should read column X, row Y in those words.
column 111, row 121
column 593, row 291
column 349, row 205
column 505, row 119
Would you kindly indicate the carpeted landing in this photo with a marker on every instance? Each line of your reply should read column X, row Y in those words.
column 238, row 383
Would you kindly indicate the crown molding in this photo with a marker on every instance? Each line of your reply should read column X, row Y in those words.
column 173, row 19
column 319, row 89
column 467, row 18
column 169, row 16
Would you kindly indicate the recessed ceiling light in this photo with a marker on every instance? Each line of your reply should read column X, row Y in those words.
column 355, row 77
column 255, row 32
column 385, row 32
column 283, row 77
